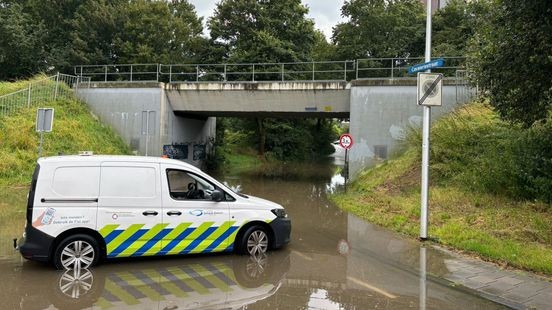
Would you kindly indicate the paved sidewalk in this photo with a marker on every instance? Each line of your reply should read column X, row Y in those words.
column 516, row 289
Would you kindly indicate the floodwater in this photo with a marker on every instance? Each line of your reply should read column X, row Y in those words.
column 335, row 261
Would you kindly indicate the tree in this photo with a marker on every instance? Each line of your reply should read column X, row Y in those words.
column 93, row 31
column 455, row 24
column 263, row 30
column 21, row 43
column 380, row 28
column 158, row 32
column 511, row 59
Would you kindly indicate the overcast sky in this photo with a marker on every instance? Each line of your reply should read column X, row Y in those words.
column 326, row 13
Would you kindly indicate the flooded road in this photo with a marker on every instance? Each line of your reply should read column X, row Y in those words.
column 335, row 261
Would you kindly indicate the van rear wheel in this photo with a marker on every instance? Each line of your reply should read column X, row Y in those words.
column 76, row 252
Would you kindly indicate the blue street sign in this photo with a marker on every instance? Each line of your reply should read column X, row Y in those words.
column 436, row 63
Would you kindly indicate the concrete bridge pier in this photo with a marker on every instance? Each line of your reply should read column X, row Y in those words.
column 384, row 110
column 143, row 116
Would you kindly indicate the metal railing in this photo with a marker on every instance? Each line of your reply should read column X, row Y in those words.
column 124, row 72
column 370, row 68
column 240, row 72
column 59, row 86
column 263, row 72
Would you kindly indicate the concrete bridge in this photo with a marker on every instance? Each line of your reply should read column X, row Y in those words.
column 152, row 116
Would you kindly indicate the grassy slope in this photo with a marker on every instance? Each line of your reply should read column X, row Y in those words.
column 503, row 230
column 75, row 129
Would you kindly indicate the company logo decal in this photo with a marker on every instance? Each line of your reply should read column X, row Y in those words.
column 196, row 212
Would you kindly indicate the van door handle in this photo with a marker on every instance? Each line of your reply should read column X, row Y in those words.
column 148, row 213
column 171, row 213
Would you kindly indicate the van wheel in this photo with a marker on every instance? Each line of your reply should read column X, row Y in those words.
column 255, row 241
column 76, row 252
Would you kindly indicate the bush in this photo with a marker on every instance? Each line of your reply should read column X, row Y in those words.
column 532, row 165
column 475, row 149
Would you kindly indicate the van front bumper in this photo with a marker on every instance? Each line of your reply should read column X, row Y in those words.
column 282, row 232
column 35, row 245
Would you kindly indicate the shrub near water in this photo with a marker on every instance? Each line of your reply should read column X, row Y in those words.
column 74, row 130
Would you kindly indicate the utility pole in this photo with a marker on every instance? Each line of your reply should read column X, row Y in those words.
column 425, row 137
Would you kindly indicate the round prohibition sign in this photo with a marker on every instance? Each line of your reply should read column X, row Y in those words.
column 346, row 141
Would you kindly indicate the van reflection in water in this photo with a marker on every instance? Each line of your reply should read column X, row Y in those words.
column 214, row 282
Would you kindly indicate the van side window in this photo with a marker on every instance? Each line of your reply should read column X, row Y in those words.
column 185, row 185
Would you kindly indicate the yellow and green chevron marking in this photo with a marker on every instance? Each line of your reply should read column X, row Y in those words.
column 135, row 240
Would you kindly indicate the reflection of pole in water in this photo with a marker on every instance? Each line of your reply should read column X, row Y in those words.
column 423, row 285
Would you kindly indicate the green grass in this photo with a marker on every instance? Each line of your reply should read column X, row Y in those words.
column 10, row 87
column 75, row 129
column 472, row 206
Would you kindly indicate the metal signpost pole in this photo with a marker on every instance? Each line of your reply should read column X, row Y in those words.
column 425, row 138
column 40, row 146
column 425, row 169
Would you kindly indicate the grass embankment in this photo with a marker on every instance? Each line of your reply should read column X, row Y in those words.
column 476, row 204
column 75, row 129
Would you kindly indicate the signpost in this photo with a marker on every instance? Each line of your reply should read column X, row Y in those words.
column 428, row 65
column 346, row 142
column 44, row 123
column 426, row 90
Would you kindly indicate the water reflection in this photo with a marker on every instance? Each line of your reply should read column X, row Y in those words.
column 222, row 281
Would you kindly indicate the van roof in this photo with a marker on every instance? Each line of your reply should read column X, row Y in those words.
column 112, row 158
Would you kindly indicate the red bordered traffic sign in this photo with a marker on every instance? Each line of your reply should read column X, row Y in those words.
column 346, row 141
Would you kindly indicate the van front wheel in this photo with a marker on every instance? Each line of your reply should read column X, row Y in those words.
column 255, row 241
column 76, row 252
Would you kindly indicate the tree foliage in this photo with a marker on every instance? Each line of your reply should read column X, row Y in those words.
column 55, row 35
column 21, row 43
column 455, row 24
column 380, row 28
column 511, row 58
column 263, row 30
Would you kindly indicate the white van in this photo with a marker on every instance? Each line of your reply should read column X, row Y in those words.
column 82, row 209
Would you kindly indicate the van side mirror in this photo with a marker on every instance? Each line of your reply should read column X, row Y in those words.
column 217, row 195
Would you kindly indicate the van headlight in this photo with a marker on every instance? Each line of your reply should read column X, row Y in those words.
column 281, row 213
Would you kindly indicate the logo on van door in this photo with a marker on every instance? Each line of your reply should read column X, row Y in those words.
column 196, row 212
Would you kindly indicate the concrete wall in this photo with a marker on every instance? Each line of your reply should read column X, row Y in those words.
column 123, row 108
column 381, row 114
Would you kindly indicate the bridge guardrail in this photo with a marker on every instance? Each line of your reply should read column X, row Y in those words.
column 260, row 72
column 397, row 67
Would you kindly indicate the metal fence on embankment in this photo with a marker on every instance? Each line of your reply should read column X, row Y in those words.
column 42, row 91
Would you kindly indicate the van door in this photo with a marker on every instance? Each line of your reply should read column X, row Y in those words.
column 197, row 223
column 130, row 216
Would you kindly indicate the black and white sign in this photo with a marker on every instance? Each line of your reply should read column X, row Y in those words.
column 430, row 89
